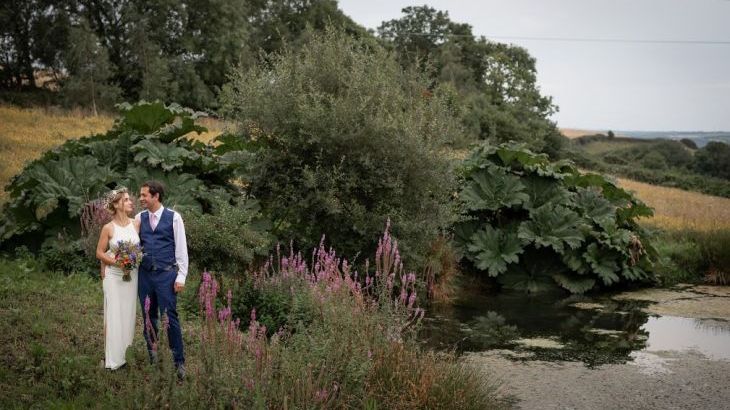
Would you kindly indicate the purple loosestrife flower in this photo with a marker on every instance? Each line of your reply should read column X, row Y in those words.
column 148, row 323
column 412, row 299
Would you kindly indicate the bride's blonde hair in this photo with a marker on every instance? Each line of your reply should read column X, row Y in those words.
column 112, row 197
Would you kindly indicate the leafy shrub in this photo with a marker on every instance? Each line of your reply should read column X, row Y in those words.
column 688, row 143
column 147, row 142
column 534, row 224
column 654, row 160
column 713, row 159
column 62, row 254
column 344, row 139
column 671, row 177
column 228, row 239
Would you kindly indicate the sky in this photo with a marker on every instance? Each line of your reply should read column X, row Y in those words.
column 607, row 85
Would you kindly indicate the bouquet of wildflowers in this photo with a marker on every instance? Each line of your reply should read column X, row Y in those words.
column 127, row 256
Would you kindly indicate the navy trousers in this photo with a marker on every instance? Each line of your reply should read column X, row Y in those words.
column 160, row 287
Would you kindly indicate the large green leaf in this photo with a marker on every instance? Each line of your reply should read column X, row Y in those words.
column 145, row 117
column 517, row 153
column 492, row 250
column 181, row 190
column 18, row 218
column 635, row 209
column 534, row 273
column 492, row 190
column 158, row 154
column 463, row 231
column 75, row 180
column 574, row 284
column 554, row 227
column 177, row 129
column 603, row 262
column 594, row 207
column 165, row 122
column 544, row 190
column 573, row 259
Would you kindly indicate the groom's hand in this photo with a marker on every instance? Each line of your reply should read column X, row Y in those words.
column 179, row 287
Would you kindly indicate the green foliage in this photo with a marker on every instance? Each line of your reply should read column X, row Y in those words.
column 498, row 98
column 348, row 353
column 61, row 254
column 680, row 260
column 492, row 190
column 344, row 139
column 694, row 256
column 494, row 249
column 714, row 160
column 88, row 83
column 230, row 238
column 689, row 143
column 147, row 142
column 551, row 225
column 659, row 162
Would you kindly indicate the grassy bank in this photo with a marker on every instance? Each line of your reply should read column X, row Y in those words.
column 693, row 233
column 343, row 344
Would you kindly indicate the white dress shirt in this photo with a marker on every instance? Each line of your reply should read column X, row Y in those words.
column 181, row 244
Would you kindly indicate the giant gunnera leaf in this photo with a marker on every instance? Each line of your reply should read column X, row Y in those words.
column 536, row 224
column 491, row 190
column 492, row 250
column 157, row 153
column 75, row 181
column 553, row 226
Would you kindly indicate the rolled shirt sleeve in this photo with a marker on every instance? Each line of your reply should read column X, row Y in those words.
column 181, row 248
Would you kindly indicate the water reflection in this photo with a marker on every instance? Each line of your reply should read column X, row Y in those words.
column 708, row 337
column 592, row 330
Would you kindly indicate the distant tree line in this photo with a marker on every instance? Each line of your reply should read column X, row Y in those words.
column 99, row 52
column 102, row 51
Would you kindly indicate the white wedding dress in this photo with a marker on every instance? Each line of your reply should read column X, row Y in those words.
column 120, row 303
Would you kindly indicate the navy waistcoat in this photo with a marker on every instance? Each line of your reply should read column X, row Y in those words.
column 159, row 245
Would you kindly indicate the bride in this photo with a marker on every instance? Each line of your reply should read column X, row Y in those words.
column 120, row 296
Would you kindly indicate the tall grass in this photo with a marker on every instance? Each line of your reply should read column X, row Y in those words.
column 349, row 344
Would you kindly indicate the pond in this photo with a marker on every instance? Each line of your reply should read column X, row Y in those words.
column 594, row 330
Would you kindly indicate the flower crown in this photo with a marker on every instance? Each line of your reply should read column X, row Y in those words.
column 108, row 198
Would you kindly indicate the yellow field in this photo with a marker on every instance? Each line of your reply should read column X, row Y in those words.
column 26, row 133
column 677, row 209
column 575, row 133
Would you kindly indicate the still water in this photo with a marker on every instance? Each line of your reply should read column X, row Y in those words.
column 594, row 330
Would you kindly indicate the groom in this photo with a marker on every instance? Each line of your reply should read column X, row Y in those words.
column 163, row 269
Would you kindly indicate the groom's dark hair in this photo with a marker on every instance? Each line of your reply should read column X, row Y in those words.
column 155, row 188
